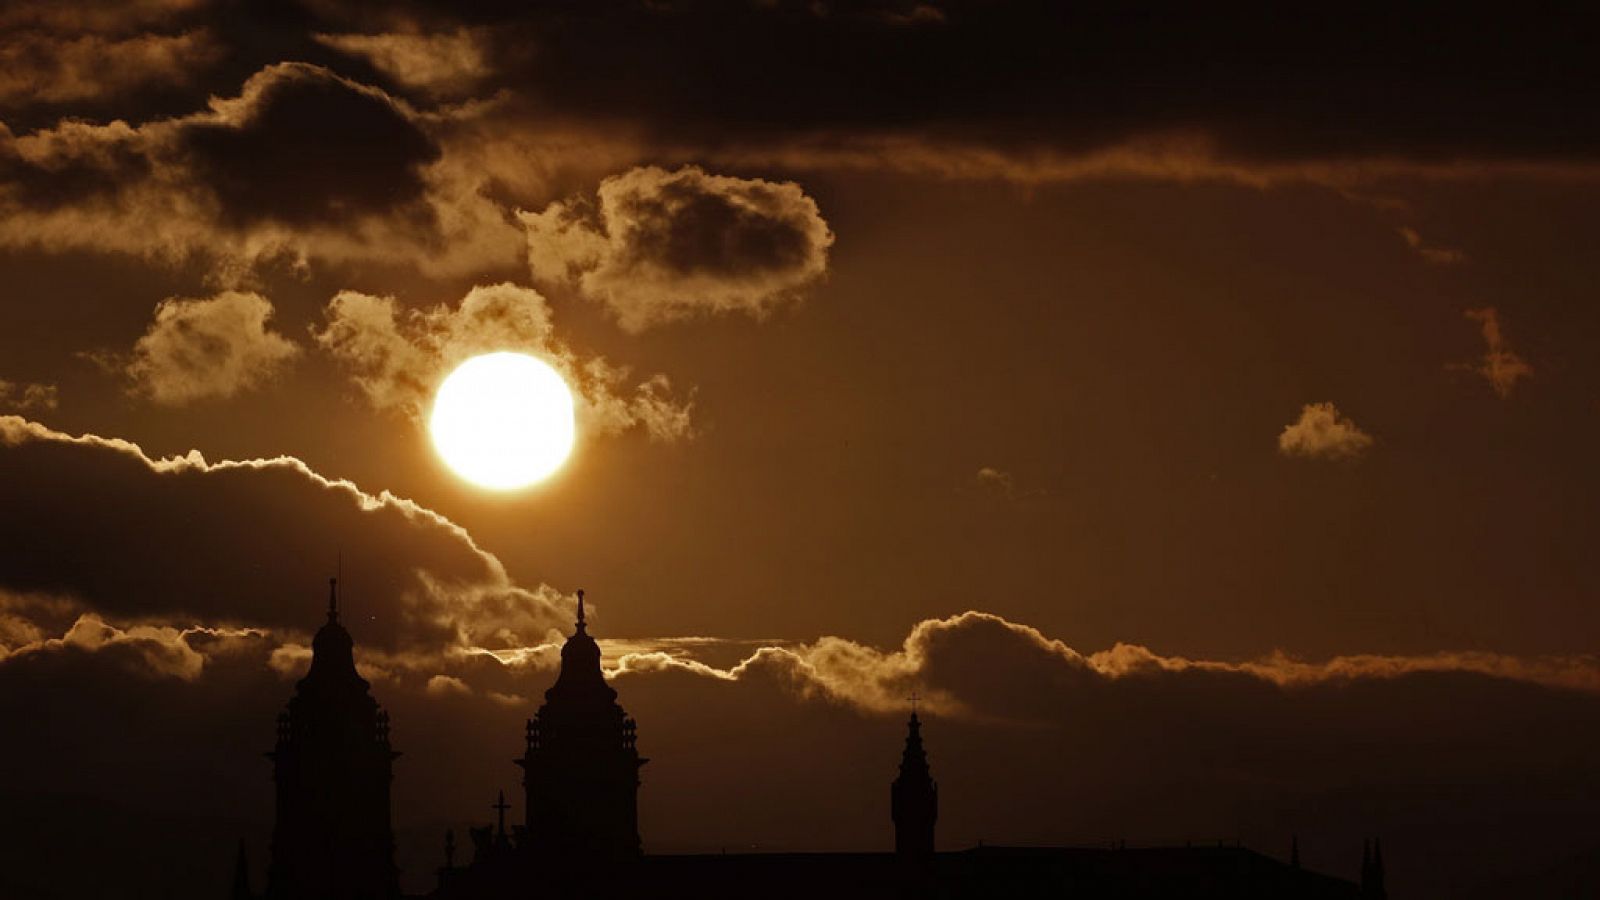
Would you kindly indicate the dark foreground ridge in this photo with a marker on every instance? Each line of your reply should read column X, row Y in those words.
column 580, row 835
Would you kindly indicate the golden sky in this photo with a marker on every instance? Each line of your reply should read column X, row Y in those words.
column 1124, row 382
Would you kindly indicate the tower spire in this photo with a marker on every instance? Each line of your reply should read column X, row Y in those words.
column 241, row 875
column 580, row 610
column 333, row 599
column 500, row 806
column 914, row 797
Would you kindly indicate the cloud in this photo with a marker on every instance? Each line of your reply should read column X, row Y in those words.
column 1500, row 365
column 1002, row 483
column 1173, row 155
column 208, row 348
column 39, row 68
column 1322, row 432
column 301, row 165
column 447, row 64
column 246, row 544
column 397, row 357
column 657, row 246
column 995, row 479
column 94, row 15
column 979, row 665
column 1441, row 256
column 26, row 397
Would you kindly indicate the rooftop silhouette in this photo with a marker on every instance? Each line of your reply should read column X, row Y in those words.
column 579, row 834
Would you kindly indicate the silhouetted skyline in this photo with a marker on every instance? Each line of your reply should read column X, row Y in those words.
column 333, row 836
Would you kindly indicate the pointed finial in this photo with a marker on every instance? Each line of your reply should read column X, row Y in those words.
column 580, row 609
column 501, row 806
column 333, row 599
column 241, row 875
column 915, row 697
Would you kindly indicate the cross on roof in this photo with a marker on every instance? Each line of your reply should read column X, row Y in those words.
column 501, row 806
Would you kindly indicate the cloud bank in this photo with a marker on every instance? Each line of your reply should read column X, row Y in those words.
column 181, row 541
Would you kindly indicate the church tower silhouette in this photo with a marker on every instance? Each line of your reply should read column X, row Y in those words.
column 332, row 766
column 581, row 767
column 914, row 797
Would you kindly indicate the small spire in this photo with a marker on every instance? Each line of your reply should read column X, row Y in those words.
column 333, row 599
column 500, row 806
column 580, row 609
column 241, row 875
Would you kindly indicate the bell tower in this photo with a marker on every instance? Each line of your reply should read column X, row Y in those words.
column 333, row 766
column 914, row 797
column 581, row 766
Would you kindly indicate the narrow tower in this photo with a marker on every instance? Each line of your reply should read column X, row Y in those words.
column 1372, row 872
column 333, row 766
column 914, row 797
column 581, row 767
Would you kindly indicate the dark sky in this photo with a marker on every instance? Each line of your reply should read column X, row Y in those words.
column 1196, row 406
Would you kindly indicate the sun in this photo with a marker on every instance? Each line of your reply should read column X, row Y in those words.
column 503, row 420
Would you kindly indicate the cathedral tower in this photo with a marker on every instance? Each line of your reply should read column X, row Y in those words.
column 914, row 797
column 581, row 768
column 333, row 765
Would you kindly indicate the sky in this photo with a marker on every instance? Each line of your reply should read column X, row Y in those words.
column 1195, row 407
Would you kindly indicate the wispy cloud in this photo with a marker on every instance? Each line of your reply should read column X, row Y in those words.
column 1501, row 366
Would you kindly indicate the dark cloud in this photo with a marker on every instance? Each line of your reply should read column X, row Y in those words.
column 300, row 146
column 246, row 543
column 301, row 164
column 657, row 245
column 1036, row 78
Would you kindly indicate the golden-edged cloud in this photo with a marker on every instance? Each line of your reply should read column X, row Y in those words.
column 656, row 246
column 397, row 357
column 212, row 347
column 245, row 543
column 441, row 64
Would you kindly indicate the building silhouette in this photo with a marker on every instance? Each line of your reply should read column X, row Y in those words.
column 580, row 771
column 332, row 766
column 914, row 797
column 580, row 836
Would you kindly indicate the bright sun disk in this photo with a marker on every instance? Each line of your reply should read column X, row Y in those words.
column 503, row 420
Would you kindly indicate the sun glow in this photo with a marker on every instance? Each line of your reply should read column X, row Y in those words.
column 503, row 420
